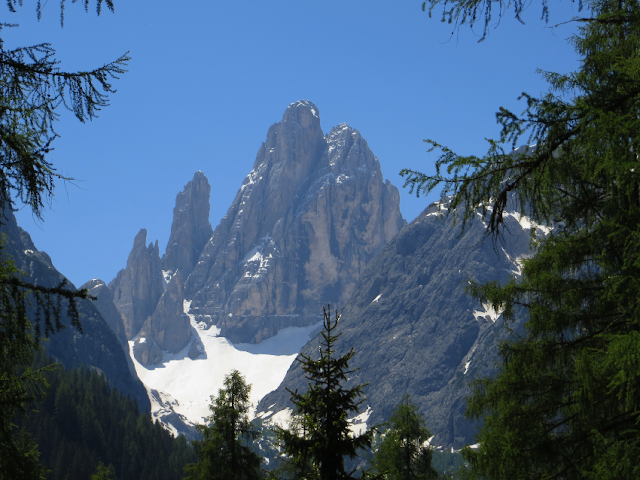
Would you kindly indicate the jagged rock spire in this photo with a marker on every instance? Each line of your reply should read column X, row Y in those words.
column 137, row 288
column 168, row 329
column 190, row 229
column 304, row 223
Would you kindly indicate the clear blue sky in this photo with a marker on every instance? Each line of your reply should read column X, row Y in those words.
column 207, row 79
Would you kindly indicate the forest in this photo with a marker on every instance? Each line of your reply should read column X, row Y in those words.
column 565, row 401
column 83, row 422
column 84, row 429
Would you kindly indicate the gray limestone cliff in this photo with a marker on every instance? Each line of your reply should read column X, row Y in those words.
column 190, row 230
column 414, row 329
column 104, row 303
column 137, row 288
column 168, row 329
column 309, row 216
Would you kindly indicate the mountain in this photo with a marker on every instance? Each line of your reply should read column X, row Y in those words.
column 190, row 230
column 138, row 287
column 168, row 329
column 98, row 346
column 414, row 329
column 305, row 221
column 309, row 216
column 151, row 315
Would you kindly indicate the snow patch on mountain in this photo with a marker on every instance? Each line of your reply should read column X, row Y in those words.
column 183, row 386
column 488, row 312
column 517, row 263
column 281, row 418
column 358, row 424
column 466, row 367
column 526, row 223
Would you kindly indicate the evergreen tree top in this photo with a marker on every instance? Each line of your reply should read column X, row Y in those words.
column 320, row 436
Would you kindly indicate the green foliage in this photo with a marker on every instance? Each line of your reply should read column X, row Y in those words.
column 13, row 4
column 566, row 402
column 225, row 450
column 461, row 12
column 83, row 421
column 448, row 463
column 20, row 383
column 104, row 473
column 401, row 453
column 319, row 438
column 31, row 89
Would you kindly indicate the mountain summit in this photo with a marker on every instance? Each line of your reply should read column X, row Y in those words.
column 190, row 230
column 308, row 217
column 305, row 221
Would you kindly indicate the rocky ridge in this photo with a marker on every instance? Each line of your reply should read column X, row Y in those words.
column 168, row 329
column 137, row 288
column 190, row 230
column 306, row 220
column 97, row 346
column 148, row 293
column 414, row 329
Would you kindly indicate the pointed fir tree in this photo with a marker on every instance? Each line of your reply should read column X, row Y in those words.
column 320, row 437
column 566, row 401
column 225, row 452
column 104, row 473
column 402, row 452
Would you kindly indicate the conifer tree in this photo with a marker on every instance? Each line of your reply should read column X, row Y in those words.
column 402, row 453
column 104, row 473
column 225, row 451
column 32, row 87
column 320, row 437
column 565, row 403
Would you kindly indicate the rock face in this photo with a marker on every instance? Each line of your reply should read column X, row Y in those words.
column 137, row 289
column 104, row 304
column 190, row 230
column 147, row 353
column 168, row 329
column 305, row 222
column 98, row 346
column 414, row 329
column 147, row 310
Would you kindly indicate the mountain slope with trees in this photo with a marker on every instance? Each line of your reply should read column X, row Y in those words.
column 414, row 329
column 565, row 401
column 83, row 421
column 31, row 89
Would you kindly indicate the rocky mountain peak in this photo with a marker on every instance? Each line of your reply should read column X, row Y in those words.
column 288, row 156
column 304, row 113
column 139, row 242
column 168, row 329
column 305, row 221
column 190, row 229
column 137, row 289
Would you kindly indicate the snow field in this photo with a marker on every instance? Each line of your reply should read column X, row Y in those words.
column 186, row 385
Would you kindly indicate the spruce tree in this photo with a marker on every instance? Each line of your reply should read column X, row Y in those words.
column 402, row 453
column 104, row 473
column 225, row 452
column 566, row 400
column 319, row 438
